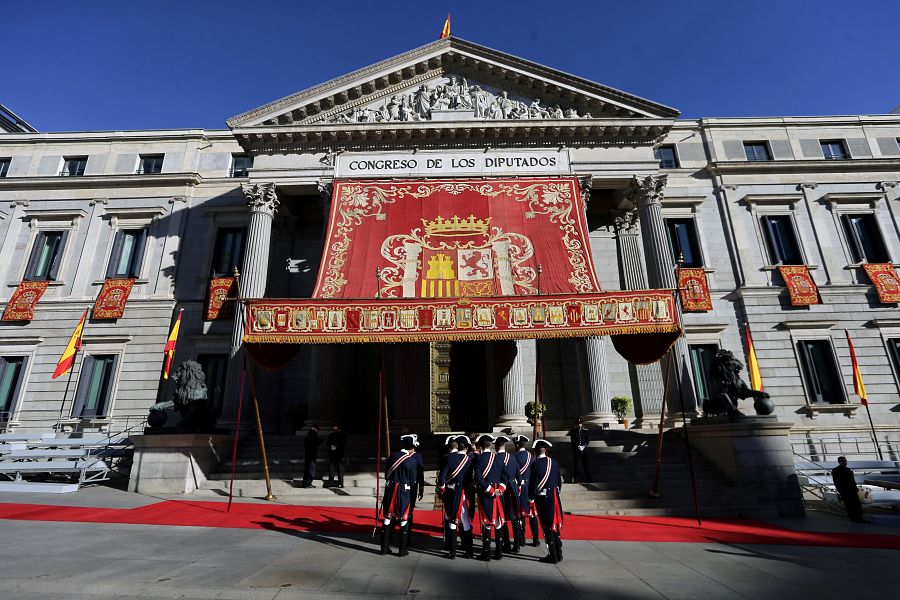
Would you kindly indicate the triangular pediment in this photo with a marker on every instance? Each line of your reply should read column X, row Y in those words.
column 451, row 80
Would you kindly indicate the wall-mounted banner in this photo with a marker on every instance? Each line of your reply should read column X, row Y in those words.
column 414, row 320
column 452, row 164
column 800, row 285
column 885, row 280
column 694, row 290
column 21, row 305
column 220, row 289
column 111, row 301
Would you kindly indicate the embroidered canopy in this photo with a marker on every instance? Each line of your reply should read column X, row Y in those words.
column 428, row 260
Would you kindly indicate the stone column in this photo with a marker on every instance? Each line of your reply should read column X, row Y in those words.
column 648, row 404
column 263, row 203
column 647, row 194
column 601, row 400
column 510, row 356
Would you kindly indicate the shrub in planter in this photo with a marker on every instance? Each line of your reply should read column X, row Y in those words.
column 621, row 405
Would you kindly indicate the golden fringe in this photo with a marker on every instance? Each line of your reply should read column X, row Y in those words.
column 442, row 336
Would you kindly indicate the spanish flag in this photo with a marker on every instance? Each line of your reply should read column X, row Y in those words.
column 445, row 32
column 858, row 386
column 169, row 350
column 752, row 365
column 68, row 356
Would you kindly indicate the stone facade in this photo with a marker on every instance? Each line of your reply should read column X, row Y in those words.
column 199, row 192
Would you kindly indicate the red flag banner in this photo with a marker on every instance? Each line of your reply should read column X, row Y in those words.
column 885, row 280
column 800, row 285
column 21, row 304
column 459, row 238
column 220, row 288
column 417, row 320
column 111, row 301
column 694, row 290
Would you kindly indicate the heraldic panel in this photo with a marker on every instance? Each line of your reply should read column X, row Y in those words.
column 474, row 259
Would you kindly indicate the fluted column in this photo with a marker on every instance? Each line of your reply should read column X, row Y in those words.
column 596, row 367
column 510, row 360
column 648, row 404
column 647, row 194
column 263, row 204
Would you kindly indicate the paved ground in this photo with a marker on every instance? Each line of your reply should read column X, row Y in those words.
column 78, row 561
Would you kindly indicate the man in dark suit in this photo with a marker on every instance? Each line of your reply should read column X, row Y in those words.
column 336, row 444
column 845, row 482
column 310, row 453
column 544, row 489
column 579, row 438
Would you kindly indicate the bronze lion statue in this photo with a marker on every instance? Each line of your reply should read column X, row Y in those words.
column 726, row 387
column 188, row 399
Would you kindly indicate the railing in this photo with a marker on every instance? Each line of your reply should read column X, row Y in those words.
column 829, row 448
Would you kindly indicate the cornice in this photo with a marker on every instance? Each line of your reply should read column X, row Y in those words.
column 800, row 166
column 420, row 134
column 99, row 181
column 179, row 135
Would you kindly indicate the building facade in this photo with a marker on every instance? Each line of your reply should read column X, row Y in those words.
column 173, row 209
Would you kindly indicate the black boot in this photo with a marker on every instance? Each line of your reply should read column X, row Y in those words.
column 404, row 540
column 386, row 540
column 535, row 535
column 409, row 528
column 559, row 555
column 452, row 540
column 517, row 536
column 551, row 550
column 486, row 545
column 499, row 542
column 447, row 533
column 468, row 545
column 507, row 547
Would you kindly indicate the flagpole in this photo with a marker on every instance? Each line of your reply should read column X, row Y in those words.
column 874, row 437
column 62, row 406
column 654, row 492
column 860, row 389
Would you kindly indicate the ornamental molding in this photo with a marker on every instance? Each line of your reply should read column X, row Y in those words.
column 646, row 191
column 431, row 65
column 261, row 197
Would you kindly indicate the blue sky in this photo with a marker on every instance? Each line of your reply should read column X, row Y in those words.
column 102, row 65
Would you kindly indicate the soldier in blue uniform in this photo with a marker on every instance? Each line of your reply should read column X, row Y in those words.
column 526, row 509
column 418, row 488
column 450, row 446
column 543, row 489
column 510, row 495
column 399, row 475
column 489, row 479
column 451, row 485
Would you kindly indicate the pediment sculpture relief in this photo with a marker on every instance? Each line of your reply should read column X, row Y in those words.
column 453, row 99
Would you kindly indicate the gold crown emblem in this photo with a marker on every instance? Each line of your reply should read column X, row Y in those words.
column 457, row 226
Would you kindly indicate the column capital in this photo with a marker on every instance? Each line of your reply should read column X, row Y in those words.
column 625, row 222
column 584, row 182
column 261, row 197
column 646, row 191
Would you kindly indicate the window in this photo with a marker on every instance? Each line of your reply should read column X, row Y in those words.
column 864, row 238
column 12, row 369
column 73, row 166
column 701, row 366
column 894, row 351
column 240, row 164
column 4, row 166
column 127, row 253
column 150, row 164
column 834, row 150
column 46, row 255
column 757, row 151
column 683, row 241
column 94, row 386
column 214, row 367
column 229, row 250
column 666, row 157
column 781, row 240
column 821, row 372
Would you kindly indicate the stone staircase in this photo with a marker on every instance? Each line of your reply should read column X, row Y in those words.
column 622, row 467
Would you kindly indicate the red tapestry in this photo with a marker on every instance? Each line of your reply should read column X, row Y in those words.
column 220, row 288
column 800, row 285
column 110, row 303
column 694, row 290
column 21, row 304
column 414, row 320
column 885, row 280
column 465, row 238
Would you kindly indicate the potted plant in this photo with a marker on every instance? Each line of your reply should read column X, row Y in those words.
column 534, row 413
column 621, row 405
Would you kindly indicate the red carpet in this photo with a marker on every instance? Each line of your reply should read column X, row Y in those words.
column 355, row 520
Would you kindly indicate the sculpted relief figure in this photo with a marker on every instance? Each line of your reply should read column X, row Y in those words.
column 455, row 94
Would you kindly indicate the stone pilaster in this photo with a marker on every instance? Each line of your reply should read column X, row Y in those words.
column 647, row 195
column 511, row 355
column 263, row 204
column 648, row 404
